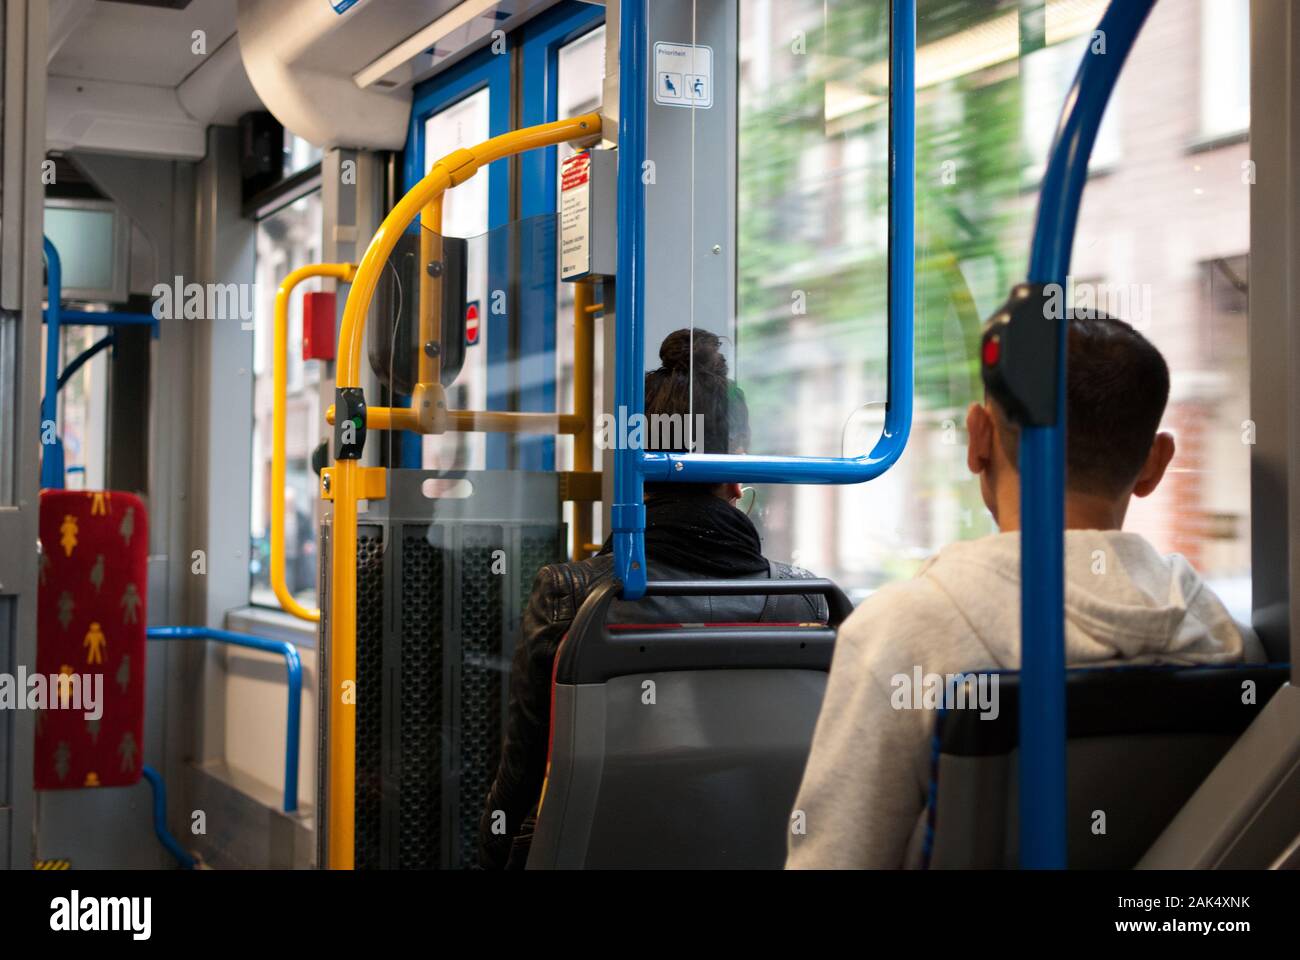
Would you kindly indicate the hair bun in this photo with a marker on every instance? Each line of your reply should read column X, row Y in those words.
column 675, row 353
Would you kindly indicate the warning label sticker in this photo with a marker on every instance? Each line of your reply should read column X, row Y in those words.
column 575, row 216
column 684, row 75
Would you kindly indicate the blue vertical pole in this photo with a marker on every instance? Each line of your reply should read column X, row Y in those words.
column 627, row 514
column 902, row 225
column 1042, row 456
column 52, row 452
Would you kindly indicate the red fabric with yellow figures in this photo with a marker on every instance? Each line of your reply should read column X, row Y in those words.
column 91, row 620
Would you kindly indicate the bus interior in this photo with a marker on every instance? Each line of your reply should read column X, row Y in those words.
column 325, row 325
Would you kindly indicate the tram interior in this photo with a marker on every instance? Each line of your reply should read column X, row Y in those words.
column 269, row 301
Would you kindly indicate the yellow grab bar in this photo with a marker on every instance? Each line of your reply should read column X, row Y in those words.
column 279, row 400
column 476, row 421
column 584, row 350
column 451, row 170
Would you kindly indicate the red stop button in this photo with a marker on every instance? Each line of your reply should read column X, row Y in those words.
column 992, row 351
column 471, row 324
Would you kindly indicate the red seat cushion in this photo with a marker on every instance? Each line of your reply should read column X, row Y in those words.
column 91, row 623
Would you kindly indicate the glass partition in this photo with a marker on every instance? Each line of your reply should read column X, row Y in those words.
column 442, row 304
column 450, row 553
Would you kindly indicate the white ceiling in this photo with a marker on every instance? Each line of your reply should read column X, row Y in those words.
column 124, row 76
column 127, row 77
column 130, row 43
column 372, row 29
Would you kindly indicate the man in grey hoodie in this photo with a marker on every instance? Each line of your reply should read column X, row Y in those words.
column 863, row 789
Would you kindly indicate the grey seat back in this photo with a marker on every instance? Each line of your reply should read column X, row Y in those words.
column 1140, row 740
column 681, row 746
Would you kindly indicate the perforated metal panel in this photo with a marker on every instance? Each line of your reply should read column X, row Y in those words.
column 437, row 618
column 419, row 779
column 480, row 672
column 370, row 637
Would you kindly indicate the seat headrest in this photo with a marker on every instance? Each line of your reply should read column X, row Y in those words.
column 1111, row 701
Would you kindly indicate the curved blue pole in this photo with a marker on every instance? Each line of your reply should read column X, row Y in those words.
column 52, row 452
column 1042, row 457
column 159, row 790
column 294, row 667
column 632, row 467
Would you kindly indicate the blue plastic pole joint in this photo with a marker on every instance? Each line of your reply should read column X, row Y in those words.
column 1042, row 455
column 633, row 467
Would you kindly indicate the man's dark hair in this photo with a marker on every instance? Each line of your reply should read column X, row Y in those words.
column 1117, row 385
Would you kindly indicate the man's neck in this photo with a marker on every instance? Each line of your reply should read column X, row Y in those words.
column 1082, row 512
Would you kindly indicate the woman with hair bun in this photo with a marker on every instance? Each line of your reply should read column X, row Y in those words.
column 692, row 531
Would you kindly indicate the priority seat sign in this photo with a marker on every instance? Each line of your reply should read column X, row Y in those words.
column 684, row 75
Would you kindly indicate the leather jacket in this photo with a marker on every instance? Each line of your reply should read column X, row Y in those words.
column 558, row 593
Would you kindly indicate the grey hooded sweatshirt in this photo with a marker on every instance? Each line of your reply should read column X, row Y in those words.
column 863, row 789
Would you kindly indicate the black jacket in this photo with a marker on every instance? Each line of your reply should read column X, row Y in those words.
column 558, row 592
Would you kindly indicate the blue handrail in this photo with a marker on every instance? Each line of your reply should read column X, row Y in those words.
column 633, row 467
column 56, row 317
column 1042, row 458
column 159, row 790
column 52, row 454
column 294, row 667
column 105, row 318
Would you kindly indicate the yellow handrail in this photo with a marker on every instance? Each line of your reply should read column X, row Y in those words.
column 584, row 348
column 453, row 169
column 280, row 386
column 477, row 421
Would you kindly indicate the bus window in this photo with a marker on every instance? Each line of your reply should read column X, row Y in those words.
column 286, row 240
column 812, row 259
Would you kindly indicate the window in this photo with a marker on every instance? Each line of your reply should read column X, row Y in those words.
column 1046, row 77
column 299, row 154
column 1225, row 68
column 83, row 405
column 1164, row 234
column 287, row 239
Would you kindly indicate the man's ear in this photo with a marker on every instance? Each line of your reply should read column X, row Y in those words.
column 731, row 492
column 979, row 433
column 1153, row 471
